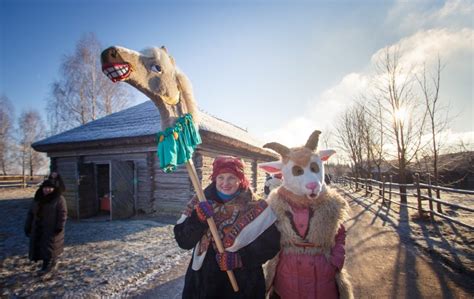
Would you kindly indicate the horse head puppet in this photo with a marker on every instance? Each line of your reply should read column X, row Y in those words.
column 153, row 72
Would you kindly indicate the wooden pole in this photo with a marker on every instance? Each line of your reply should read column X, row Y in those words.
column 438, row 196
column 390, row 192
column 210, row 221
column 383, row 190
column 418, row 191
column 430, row 194
column 366, row 187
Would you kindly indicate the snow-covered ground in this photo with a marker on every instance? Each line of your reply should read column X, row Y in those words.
column 129, row 258
column 101, row 258
column 453, row 243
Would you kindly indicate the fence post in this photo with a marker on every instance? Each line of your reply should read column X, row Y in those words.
column 438, row 196
column 380, row 187
column 383, row 190
column 418, row 191
column 430, row 195
column 23, row 181
column 370, row 184
column 366, row 186
column 390, row 192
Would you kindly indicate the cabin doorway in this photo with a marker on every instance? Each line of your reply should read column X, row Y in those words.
column 103, row 190
column 107, row 190
column 123, row 189
column 87, row 185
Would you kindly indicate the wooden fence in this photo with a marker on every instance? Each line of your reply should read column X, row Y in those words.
column 386, row 188
column 20, row 181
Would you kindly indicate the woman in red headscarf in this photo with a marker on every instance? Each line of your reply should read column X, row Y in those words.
column 247, row 231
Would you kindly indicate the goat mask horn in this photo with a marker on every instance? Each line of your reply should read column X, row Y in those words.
column 279, row 148
column 312, row 142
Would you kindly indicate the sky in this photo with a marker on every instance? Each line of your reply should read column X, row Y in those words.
column 279, row 69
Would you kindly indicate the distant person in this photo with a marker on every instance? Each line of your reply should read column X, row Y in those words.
column 57, row 180
column 45, row 224
column 327, row 179
column 273, row 181
column 246, row 226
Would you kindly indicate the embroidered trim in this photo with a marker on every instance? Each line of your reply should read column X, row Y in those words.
column 243, row 221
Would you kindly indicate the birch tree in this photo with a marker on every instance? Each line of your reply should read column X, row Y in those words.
column 31, row 128
column 6, row 128
column 401, row 109
column 83, row 93
column 437, row 115
column 350, row 137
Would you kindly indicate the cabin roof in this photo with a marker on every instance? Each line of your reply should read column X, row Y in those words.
column 138, row 121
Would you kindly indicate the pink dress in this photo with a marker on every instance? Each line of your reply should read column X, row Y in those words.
column 309, row 276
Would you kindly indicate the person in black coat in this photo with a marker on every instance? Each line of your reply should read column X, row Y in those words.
column 57, row 180
column 45, row 224
column 247, row 231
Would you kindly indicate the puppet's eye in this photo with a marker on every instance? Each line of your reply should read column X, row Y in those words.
column 156, row 68
column 314, row 167
column 297, row 171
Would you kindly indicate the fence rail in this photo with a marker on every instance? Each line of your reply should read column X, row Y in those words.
column 385, row 188
column 19, row 181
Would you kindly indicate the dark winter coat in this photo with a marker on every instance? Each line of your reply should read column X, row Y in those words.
column 45, row 225
column 209, row 281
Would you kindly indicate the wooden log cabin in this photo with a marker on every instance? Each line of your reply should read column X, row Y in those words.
column 110, row 166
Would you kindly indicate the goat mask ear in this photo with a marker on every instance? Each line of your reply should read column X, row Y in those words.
column 271, row 167
column 325, row 154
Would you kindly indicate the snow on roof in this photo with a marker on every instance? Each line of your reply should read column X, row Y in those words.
column 141, row 120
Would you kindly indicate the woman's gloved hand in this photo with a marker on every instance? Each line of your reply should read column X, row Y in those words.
column 204, row 210
column 228, row 260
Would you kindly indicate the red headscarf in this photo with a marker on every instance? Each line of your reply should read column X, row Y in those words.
column 229, row 164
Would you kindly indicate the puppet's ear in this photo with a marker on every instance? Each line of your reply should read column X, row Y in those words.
column 325, row 154
column 271, row 167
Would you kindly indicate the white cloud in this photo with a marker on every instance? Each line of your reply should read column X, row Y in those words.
column 320, row 113
column 457, row 140
column 455, row 9
column 427, row 32
column 425, row 46
column 411, row 16
column 324, row 109
column 293, row 133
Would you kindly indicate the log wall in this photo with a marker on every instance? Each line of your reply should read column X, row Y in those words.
column 157, row 192
column 67, row 168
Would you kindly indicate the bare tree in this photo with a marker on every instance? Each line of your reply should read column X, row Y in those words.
column 401, row 109
column 437, row 116
column 83, row 93
column 378, row 133
column 6, row 128
column 350, row 137
column 30, row 129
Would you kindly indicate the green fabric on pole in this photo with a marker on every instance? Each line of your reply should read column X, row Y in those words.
column 176, row 144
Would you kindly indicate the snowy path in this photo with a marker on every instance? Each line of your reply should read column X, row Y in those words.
column 140, row 259
column 385, row 263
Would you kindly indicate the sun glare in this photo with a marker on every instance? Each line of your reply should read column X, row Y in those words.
column 401, row 114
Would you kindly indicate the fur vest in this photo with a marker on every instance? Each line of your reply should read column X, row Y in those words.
column 326, row 214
